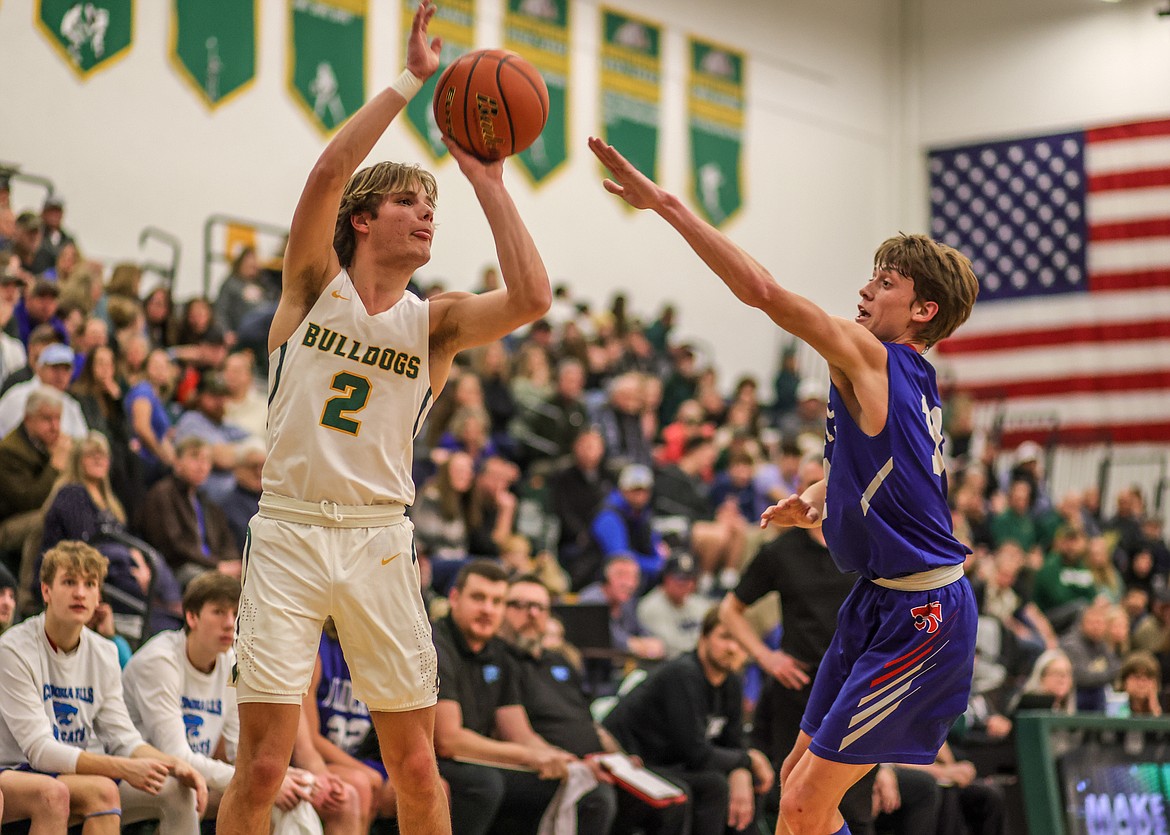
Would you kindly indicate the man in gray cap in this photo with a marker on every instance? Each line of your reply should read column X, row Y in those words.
column 624, row 525
column 54, row 370
column 53, row 237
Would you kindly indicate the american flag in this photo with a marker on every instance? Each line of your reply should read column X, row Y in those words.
column 1069, row 234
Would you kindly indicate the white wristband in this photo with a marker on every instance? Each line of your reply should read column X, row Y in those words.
column 406, row 85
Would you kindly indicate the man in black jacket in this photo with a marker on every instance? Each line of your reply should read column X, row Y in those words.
column 686, row 723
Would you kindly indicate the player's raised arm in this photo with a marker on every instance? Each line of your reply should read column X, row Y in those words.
column 844, row 344
column 309, row 260
column 461, row 320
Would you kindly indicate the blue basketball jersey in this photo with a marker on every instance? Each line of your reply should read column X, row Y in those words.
column 886, row 511
column 344, row 719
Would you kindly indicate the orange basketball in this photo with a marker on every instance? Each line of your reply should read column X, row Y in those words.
column 491, row 102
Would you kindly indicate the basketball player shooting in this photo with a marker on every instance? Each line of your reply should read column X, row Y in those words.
column 898, row 672
column 356, row 362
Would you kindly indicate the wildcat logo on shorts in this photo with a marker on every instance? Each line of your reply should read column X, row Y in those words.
column 928, row 617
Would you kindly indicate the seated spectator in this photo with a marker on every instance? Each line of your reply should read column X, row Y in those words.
column 620, row 422
column 1153, row 632
column 517, row 559
column 84, row 731
column 1065, row 585
column 54, row 370
column 243, row 502
column 493, row 504
column 685, row 721
column 547, row 429
column 84, row 507
column 442, row 516
column 159, row 310
column 186, row 527
column 39, row 307
column 1016, row 522
column 242, row 291
column 1106, row 578
column 805, row 424
column 618, row 590
column 470, row 431
column 715, row 532
column 32, row 456
column 998, row 598
column 13, row 355
column 492, row 366
column 1094, row 662
column 624, row 525
column 41, row 337
column 99, row 392
column 479, row 715
column 340, row 727
column 575, row 494
column 206, row 420
column 1050, row 683
column 968, row 804
column 245, row 406
column 53, row 237
column 688, row 425
column 149, row 418
column 177, row 691
column 905, row 800
column 1140, row 679
column 672, row 611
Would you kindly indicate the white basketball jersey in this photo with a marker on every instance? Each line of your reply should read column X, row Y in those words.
column 347, row 393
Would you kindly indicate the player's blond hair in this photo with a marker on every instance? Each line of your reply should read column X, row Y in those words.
column 941, row 274
column 74, row 558
column 365, row 192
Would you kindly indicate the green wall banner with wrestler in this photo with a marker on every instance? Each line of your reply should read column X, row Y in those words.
column 539, row 30
column 327, row 59
column 454, row 22
column 90, row 35
column 631, row 86
column 715, row 114
column 213, row 46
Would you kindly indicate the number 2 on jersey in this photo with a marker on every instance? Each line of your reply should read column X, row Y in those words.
column 355, row 394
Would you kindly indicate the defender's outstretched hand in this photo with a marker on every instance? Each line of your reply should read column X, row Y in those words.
column 791, row 512
column 422, row 58
column 628, row 182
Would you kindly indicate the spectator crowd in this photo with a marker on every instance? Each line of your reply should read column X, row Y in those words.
column 591, row 463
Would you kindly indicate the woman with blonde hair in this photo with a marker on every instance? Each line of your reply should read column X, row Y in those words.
column 1051, row 676
column 83, row 506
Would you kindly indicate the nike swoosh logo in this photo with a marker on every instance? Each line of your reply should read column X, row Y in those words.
column 389, row 560
column 337, row 295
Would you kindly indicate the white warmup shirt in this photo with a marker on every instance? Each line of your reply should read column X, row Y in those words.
column 180, row 710
column 56, row 705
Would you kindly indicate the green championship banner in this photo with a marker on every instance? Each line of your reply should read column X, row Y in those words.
column 89, row 35
column 213, row 46
column 539, row 30
column 631, row 75
column 327, row 59
column 715, row 111
column 454, row 22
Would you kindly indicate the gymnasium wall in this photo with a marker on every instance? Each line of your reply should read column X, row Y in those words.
column 843, row 95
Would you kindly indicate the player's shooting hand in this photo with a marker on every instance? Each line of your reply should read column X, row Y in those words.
column 785, row 669
column 741, row 807
column 422, row 58
column 476, row 170
column 627, row 182
column 791, row 512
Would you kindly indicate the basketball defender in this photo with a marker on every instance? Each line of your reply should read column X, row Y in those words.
column 898, row 671
column 356, row 362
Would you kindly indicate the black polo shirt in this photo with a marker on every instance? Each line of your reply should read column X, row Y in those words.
column 552, row 695
column 481, row 682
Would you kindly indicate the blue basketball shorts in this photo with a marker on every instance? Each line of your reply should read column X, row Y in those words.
column 896, row 677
